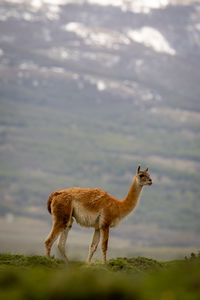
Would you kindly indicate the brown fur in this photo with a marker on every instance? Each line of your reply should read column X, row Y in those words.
column 91, row 208
column 50, row 200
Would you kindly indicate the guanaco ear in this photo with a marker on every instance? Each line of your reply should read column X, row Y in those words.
column 146, row 169
column 138, row 169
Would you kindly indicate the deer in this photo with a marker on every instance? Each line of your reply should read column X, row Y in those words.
column 91, row 207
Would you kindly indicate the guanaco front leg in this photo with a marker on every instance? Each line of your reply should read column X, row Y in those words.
column 104, row 241
column 94, row 244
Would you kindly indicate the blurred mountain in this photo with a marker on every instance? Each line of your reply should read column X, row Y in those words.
column 89, row 89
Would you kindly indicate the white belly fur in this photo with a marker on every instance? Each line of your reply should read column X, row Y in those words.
column 84, row 217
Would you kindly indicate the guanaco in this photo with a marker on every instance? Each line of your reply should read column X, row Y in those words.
column 91, row 208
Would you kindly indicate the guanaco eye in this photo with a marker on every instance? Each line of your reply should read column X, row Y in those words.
column 141, row 175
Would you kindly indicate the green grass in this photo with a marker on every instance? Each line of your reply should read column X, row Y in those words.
column 11, row 260
column 36, row 277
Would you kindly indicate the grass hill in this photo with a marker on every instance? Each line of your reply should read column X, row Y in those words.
column 35, row 277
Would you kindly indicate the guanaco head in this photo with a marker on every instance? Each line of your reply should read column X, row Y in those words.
column 143, row 177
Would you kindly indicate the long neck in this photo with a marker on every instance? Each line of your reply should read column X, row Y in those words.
column 132, row 198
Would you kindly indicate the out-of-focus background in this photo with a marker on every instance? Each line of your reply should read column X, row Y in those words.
column 89, row 89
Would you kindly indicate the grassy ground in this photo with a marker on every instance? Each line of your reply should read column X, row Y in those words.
column 35, row 277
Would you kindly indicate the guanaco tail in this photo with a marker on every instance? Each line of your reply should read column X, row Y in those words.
column 91, row 208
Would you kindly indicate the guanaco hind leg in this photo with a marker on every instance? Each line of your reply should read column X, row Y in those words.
column 62, row 221
column 94, row 244
column 62, row 240
column 104, row 232
column 56, row 229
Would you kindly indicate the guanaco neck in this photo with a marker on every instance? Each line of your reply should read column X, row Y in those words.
column 132, row 198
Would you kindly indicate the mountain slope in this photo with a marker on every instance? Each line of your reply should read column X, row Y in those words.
column 88, row 91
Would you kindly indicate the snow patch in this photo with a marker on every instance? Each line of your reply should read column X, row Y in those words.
column 137, row 6
column 28, row 65
column 151, row 37
column 198, row 26
column 101, row 86
column 97, row 36
column 1, row 52
column 50, row 8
